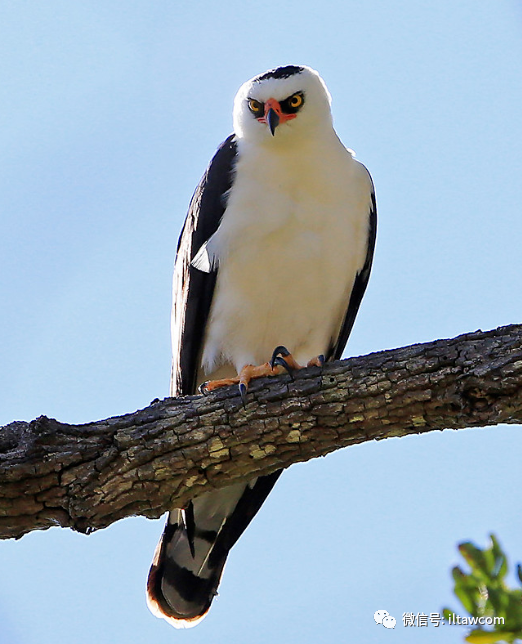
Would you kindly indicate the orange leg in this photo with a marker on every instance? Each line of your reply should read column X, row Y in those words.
column 282, row 360
column 285, row 359
column 318, row 361
column 247, row 373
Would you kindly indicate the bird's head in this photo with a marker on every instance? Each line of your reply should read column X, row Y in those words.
column 286, row 102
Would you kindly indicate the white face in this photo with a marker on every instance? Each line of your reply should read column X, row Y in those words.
column 300, row 99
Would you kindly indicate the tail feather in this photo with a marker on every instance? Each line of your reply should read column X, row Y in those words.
column 191, row 554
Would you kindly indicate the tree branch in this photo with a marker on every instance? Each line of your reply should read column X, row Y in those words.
column 87, row 476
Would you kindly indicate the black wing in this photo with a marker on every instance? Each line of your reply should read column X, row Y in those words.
column 193, row 289
column 359, row 286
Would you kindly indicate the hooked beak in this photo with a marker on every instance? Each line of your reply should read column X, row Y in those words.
column 274, row 115
column 272, row 119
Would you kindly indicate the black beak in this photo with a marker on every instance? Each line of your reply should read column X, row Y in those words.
column 272, row 118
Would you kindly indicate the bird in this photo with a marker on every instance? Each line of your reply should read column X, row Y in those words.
column 272, row 264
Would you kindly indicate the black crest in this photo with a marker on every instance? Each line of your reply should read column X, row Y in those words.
column 279, row 72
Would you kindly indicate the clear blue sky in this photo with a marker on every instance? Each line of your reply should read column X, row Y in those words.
column 110, row 112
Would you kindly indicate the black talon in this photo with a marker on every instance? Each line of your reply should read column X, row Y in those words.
column 203, row 388
column 243, row 393
column 279, row 351
column 278, row 360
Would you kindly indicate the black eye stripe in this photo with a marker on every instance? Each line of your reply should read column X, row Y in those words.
column 288, row 108
column 259, row 107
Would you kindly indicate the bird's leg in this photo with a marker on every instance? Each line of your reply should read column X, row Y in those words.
column 318, row 361
column 209, row 385
column 282, row 357
column 247, row 373
column 282, row 360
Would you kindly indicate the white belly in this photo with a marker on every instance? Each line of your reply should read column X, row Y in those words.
column 292, row 239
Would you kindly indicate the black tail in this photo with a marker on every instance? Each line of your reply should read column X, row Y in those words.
column 191, row 554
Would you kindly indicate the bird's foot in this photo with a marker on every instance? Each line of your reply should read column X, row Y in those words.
column 247, row 373
column 318, row 361
column 282, row 357
column 282, row 360
column 209, row 385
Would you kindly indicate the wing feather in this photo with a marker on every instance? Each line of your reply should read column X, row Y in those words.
column 359, row 286
column 193, row 289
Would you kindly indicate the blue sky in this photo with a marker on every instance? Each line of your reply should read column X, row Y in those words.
column 110, row 113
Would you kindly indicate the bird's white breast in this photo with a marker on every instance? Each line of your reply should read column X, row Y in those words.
column 291, row 241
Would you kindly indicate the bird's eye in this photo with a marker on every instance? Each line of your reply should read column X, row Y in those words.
column 296, row 101
column 255, row 106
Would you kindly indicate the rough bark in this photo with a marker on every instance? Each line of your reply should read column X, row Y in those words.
column 87, row 476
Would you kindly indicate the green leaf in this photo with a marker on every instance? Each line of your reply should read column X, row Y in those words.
column 499, row 600
column 447, row 613
column 483, row 593
column 487, row 637
column 477, row 560
column 501, row 563
column 467, row 599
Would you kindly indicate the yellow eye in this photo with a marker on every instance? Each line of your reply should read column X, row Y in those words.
column 295, row 101
column 255, row 106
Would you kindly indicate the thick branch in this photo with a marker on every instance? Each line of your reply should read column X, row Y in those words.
column 88, row 476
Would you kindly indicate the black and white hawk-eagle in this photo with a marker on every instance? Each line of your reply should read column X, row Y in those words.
column 271, row 267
